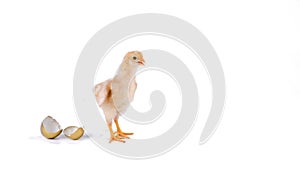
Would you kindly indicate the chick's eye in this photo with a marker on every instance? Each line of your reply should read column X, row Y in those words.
column 134, row 57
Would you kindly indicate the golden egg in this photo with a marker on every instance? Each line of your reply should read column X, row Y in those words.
column 50, row 128
column 73, row 132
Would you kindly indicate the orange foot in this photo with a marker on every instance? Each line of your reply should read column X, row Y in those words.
column 123, row 134
column 116, row 138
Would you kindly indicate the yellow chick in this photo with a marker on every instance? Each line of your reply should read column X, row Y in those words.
column 114, row 95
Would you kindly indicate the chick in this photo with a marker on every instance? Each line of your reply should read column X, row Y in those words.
column 114, row 95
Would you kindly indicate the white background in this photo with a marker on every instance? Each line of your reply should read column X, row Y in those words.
column 257, row 42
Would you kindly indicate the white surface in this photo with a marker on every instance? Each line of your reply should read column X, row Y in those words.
column 258, row 45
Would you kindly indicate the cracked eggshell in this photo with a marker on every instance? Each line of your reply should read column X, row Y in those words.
column 50, row 128
column 73, row 132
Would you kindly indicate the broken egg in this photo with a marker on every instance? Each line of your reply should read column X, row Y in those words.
column 50, row 128
column 73, row 132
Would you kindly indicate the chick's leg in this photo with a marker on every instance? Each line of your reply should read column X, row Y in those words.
column 120, row 132
column 112, row 136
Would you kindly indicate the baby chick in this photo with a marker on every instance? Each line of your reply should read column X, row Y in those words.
column 114, row 95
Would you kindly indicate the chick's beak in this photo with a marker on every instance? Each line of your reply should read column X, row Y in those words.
column 141, row 62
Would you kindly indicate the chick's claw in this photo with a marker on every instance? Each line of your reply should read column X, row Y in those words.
column 116, row 138
column 127, row 133
column 122, row 135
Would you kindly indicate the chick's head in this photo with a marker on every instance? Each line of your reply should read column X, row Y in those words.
column 135, row 57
